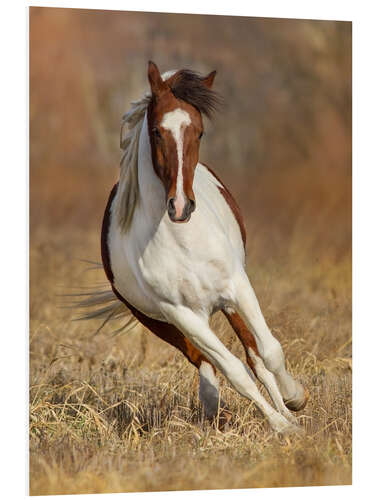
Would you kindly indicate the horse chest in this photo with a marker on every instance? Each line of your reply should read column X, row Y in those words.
column 170, row 266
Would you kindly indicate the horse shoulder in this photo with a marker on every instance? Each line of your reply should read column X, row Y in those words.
column 231, row 202
column 110, row 271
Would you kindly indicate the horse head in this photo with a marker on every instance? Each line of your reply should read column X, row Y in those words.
column 175, row 130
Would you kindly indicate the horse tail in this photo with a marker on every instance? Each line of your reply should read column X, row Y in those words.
column 100, row 302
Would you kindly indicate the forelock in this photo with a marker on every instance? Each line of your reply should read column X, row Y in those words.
column 188, row 86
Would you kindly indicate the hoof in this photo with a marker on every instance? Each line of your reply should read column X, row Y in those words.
column 297, row 404
column 284, row 427
column 292, row 430
column 221, row 420
column 289, row 416
column 225, row 417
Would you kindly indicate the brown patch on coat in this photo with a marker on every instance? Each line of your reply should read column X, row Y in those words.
column 232, row 204
column 243, row 333
column 104, row 235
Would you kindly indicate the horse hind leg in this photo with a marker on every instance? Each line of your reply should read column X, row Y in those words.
column 209, row 395
column 208, row 382
column 214, row 409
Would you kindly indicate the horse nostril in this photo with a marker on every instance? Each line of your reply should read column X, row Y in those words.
column 192, row 205
column 171, row 207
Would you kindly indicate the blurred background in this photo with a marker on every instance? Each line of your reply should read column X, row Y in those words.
column 287, row 115
column 281, row 143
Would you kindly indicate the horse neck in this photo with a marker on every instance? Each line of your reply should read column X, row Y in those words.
column 151, row 190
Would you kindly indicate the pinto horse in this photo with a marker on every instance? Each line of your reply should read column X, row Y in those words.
column 173, row 249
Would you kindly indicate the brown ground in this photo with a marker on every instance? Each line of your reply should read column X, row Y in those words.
column 112, row 414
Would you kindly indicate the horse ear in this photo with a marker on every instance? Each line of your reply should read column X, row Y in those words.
column 209, row 79
column 158, row 86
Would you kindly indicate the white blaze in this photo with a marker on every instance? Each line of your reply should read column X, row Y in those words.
column 176, row 122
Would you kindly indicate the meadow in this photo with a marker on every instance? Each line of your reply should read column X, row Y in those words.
column 116, row 413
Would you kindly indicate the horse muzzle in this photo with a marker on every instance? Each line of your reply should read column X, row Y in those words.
column 178, row 213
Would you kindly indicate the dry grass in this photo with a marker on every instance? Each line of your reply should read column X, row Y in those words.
column 112, row 414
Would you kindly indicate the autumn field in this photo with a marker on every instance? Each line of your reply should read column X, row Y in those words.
column 117, row 413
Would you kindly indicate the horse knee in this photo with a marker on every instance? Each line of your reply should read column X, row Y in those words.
column 273, row 356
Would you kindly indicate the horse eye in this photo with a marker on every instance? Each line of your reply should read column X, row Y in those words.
column 156, row 132
column 200, row 136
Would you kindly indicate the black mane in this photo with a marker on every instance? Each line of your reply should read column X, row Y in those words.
column 188, row 86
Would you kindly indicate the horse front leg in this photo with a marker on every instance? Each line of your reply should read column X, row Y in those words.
column 196, row 328
column 294, row 395
column 255, row 361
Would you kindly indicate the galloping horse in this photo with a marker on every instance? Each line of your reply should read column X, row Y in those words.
column 173, row 249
